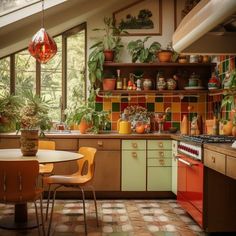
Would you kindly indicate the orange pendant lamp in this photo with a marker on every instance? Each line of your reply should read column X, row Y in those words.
column 42, row 46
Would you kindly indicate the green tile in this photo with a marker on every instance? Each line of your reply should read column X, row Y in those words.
column 158, row 99
column 176, row 124
column 98, row 106
column 168, row 116
column 124, row 99
column 193, row 99
column 115, row 106
column 150, row 106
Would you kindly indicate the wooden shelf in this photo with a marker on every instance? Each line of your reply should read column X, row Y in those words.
column 164, row 64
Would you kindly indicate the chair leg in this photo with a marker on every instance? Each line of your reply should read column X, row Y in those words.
column 53, row 201
column 84, row 209
column 95, row 203
column 48, row 201
column 37, row 217
column 41, row 212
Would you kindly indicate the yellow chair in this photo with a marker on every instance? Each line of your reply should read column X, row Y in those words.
column 18, row 185
column 76, row 180
column 46, row 168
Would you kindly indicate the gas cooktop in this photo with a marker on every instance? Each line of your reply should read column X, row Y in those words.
column 209, row 138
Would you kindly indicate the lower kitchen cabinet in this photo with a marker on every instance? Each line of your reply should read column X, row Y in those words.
column 107, row 163
column 9, row 142
column 133, row 165
column 159, row 179
column 159, row 165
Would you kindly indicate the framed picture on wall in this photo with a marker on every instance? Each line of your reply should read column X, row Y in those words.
column 143, row 17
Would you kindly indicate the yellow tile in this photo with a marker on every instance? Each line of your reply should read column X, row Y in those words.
column 159, row 107
column 201, row 107
column 106, row 99
column 176, row 107
column 202, row 98
column 107, row 106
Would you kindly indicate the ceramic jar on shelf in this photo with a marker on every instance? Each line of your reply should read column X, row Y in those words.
column 171, row 84
column 147, row 84
column 160, row 83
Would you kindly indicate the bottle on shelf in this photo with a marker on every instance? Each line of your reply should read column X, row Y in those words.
column 118, row 81
column 184, row 125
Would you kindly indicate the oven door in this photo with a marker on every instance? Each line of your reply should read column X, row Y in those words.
column 190, row 186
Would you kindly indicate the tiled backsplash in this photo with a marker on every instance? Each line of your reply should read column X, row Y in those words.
column 202, row 105
column 154, row 103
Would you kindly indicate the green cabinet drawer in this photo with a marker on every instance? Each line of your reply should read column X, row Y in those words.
column 159, row 162
column 133, row 171
column 174, row 145
column 134, row 144
column 159, row 154
column 159, row 144
column 159, row 179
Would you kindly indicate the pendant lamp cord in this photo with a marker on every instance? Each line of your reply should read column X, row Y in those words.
column 42, row 23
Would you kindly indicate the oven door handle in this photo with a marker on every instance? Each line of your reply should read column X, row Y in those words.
column 178, row 157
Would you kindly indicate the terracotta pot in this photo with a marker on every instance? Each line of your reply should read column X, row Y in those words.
column 29, row 142
column 109, row 84
column 227, row 128
column 109, row 55
column 84, row 126
column 165, row 56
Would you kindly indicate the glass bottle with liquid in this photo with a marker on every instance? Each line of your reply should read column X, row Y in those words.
column 118, row 81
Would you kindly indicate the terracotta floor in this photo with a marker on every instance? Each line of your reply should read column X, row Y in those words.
column 117, row 218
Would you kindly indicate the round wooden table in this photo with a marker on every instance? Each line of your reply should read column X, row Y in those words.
column 21, row 220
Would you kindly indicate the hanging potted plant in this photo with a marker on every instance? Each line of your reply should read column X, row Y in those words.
column 33, row 118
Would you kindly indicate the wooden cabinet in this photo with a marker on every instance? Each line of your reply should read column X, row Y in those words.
column 159, row 165
column 215, row 160
column 65, row 144
column 133, row 165
column 107, row 163
column 150, row 70
column 9, row 142
column 174, row 166
column 231, row 167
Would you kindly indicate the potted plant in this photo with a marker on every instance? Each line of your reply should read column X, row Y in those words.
column 33, row 117
column 141, row 53
column 165, row 55
column 88, row 119
column 109, row 81
column 9, row 112
column 109, row 44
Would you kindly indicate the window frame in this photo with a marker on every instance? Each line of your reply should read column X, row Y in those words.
column 64, row 36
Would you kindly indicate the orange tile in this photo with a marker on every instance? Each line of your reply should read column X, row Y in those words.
column 115, row 116
column 201, row 107
column 107, row 106
column 106, row 99
column 176, row 117
column 176, row 107
column 115, row 99
column 114, row 126
column 202, row 98
column 150, row 98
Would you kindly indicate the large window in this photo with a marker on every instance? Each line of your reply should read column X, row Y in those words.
column 62, row 80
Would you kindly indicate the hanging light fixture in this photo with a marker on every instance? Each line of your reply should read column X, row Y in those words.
column 42, row 46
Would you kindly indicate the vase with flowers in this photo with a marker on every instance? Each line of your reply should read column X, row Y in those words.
column 33, row 121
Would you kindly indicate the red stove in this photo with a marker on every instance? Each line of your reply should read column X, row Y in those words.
column 191, row 172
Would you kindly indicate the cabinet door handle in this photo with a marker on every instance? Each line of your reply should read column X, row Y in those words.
column 134, row 154
column 161, row 154
column 100, row 143
column 161, row 145
column 134, row 145
column 213, row 159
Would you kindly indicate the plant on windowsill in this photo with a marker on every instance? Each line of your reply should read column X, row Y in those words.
column 9, row 112
column 33, row 117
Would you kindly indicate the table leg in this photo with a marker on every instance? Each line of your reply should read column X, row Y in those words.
column 21, row 219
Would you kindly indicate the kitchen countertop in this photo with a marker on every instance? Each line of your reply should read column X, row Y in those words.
column 224, row 148
column 104, row 135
